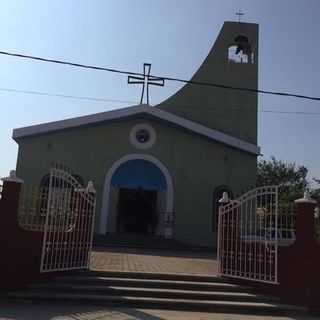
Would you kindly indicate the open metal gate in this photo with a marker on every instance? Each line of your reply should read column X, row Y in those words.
column 69, row 223
column 248, row 236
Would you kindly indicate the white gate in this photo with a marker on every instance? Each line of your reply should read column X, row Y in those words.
column 248, row 236
column 68, row 230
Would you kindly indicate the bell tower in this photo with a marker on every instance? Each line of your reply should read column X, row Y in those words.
column 232, row 61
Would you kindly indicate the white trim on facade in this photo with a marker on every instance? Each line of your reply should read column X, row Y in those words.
column 107, row 185
column 132, row 111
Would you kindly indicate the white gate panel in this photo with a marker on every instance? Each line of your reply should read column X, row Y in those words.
column 68, row 231
column 248, row 236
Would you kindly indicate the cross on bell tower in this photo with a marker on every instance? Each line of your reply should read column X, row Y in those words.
column 239, row 13
column 146, row 80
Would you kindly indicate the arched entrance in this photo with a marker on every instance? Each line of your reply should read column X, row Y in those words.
column 139, row 181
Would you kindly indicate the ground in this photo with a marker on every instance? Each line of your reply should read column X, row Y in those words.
column 154, row 261
column 25, row 311
column 131, row 260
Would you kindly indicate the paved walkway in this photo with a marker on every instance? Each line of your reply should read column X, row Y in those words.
column 154, row 261
column 24, row 311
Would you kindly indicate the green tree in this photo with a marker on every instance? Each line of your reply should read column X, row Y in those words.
column 315, row 193
column 291, row 178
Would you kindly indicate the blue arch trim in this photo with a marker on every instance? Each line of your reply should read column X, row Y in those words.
column 139, row 174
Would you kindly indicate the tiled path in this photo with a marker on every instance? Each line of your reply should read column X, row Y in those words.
column 131, row 260
column 154, row 261
column 23, row 311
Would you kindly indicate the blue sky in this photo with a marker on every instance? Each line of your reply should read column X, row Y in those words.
column 175, row 36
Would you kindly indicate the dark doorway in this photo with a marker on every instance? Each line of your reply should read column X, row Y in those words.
column 137, row 211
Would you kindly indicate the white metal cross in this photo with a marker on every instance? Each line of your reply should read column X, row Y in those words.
column 146, row 80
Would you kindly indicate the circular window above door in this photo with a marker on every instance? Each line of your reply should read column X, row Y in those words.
column 142, row 136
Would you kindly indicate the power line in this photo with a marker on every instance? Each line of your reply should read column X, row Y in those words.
column 41, row 93
column 291, row 112
column 200, row 83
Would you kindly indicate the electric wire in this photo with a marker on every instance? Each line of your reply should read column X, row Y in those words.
column 41, row 93
column 200, row 83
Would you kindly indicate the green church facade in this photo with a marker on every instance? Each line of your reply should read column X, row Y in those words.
column 202, row 140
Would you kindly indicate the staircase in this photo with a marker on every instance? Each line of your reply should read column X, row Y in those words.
column 151, row 290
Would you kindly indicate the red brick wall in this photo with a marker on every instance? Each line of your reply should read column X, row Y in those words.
column 20, row 250
column 299, row 264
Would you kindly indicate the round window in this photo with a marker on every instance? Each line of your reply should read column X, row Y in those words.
column 142, row 136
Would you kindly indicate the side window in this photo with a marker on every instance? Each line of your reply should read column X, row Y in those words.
column 217, row 195
column 45, row 181
column 44, row 191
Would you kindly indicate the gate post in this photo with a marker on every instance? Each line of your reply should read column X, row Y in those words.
column 11, row 182
column 9, row 202
column 9, row 206
column 305, row 222
column 221, row 224
column 299, row 263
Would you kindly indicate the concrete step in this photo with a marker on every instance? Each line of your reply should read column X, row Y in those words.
column 151, row 283
column 156, row 276
column 150, row 292
column 263, row 308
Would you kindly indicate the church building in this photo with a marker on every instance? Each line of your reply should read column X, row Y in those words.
column 159, row 171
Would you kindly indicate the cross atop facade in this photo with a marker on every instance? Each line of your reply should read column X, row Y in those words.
column 146, row 80
column 239, row 14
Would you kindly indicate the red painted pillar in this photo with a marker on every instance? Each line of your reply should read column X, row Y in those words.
column 10, row 200
column 9, row 205
column 20, row 250
column 305, row 223
column 299, row 264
